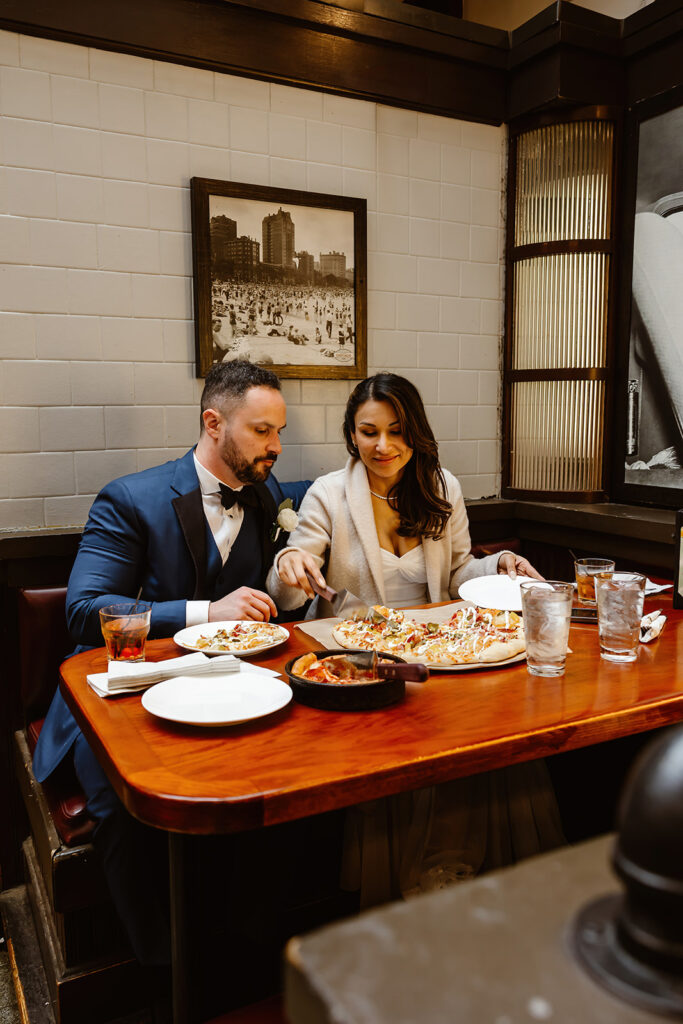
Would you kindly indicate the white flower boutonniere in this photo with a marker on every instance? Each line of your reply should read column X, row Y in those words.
column 287, row 520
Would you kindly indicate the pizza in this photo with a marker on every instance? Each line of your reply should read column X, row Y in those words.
column 243, row 636
column 472, row 636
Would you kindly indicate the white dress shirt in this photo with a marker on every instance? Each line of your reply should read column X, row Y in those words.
column 225, row 524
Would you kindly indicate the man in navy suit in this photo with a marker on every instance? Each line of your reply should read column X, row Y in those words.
column 197, row 535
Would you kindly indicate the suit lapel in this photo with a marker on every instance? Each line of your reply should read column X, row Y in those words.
column 190, row 511
column 360, row 507
column 269, row 515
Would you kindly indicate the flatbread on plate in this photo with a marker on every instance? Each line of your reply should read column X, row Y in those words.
column 472, row 636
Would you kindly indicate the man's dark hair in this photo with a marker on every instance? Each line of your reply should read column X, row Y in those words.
column 230, row 382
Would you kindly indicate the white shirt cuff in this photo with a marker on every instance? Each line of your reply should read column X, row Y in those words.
column 196, row 612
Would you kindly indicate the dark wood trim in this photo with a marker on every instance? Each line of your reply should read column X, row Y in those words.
column 510, row 271
column 392, row 53
column 569, row 245
column 577, row 497
column 568, row 115
column 613, row 297
column 300, row 43
column 597, row 28
column 564, row 373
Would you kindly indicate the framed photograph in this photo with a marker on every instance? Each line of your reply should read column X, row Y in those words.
column 650, row 377
column 280, row 279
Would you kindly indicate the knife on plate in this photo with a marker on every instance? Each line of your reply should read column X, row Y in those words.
column 344, row 604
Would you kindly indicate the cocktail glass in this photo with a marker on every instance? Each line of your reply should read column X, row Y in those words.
column 586, row 570
column 546, row 610
column 620, row 597
column 125, row 627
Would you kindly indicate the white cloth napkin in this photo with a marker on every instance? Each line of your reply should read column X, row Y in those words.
column 124, row 677
column 656, row 588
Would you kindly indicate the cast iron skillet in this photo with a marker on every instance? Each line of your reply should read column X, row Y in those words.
column 345, row 696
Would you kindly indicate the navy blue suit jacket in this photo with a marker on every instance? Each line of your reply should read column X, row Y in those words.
column 144, row 530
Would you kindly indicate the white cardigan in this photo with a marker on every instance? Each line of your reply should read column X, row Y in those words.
column 337, row 527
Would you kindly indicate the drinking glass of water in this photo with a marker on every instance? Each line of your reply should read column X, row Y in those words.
column 620, row 598
column 546, row 610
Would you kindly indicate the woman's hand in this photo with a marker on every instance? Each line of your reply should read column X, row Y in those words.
column 292, row 566
column 515, row 565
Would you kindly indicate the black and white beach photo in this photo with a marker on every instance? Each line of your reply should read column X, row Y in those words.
column 654, row 423
column 279, row 279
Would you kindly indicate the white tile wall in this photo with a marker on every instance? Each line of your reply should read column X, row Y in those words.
column 97, row 372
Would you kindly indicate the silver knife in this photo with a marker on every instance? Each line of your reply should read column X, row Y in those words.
column 344, row 604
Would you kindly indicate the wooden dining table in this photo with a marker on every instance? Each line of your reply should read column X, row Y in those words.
column 298, row 762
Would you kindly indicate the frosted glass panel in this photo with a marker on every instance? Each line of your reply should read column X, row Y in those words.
column 560, row 311
column 557, row 429
column 563, row 189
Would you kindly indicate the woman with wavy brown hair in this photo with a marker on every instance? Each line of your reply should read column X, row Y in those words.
column 392, row 528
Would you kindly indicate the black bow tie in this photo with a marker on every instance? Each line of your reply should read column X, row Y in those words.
column 247, row 496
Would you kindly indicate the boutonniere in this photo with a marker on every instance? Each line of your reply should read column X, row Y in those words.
column 286, row 520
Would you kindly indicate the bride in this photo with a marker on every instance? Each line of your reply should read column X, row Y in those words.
column 392, row 528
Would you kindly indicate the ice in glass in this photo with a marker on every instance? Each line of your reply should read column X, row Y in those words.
column 546, row 610
column 586, row 570
column 620, row 597
column 125, row 628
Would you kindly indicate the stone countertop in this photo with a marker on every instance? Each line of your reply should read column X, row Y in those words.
column 495, row 950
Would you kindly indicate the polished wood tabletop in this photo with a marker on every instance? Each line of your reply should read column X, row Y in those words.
column 301, row 761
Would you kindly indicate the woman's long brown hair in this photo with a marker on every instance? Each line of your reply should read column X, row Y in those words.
column 419, row 497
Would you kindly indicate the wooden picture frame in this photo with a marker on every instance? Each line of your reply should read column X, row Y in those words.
column 648, row 466
column 678, row 561
column 273, row 281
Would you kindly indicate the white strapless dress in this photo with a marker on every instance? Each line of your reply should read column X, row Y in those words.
column 430, row 838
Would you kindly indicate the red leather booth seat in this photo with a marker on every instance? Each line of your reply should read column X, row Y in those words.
column 491, row 547
column 44, row 643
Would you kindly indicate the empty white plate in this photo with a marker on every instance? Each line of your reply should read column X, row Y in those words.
column 497, row 591
column 217, row 700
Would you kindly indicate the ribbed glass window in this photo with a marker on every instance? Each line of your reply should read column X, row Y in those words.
column 564, row 178
column 558, row 427
column 557, row 322
column 560, row 311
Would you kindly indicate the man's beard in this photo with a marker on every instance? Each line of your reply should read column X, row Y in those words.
column 254, row 472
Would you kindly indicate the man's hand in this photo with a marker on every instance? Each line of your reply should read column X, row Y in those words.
column 244, row 603
column 292, row 568
column 515, row 565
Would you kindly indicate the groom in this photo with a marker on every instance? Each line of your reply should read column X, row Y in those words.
column 196, row 535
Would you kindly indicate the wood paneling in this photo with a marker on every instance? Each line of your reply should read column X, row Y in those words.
column 303, row 43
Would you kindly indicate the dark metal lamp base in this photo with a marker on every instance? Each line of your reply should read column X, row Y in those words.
column 596, row 944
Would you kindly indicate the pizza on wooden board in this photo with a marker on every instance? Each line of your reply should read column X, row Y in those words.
column 472, row 636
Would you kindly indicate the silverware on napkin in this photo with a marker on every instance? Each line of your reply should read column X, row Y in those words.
column 122, row 674
column 651, row 626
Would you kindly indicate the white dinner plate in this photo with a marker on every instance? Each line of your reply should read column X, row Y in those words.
column 189, row 636
column 216, row 700
column 497, row 591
